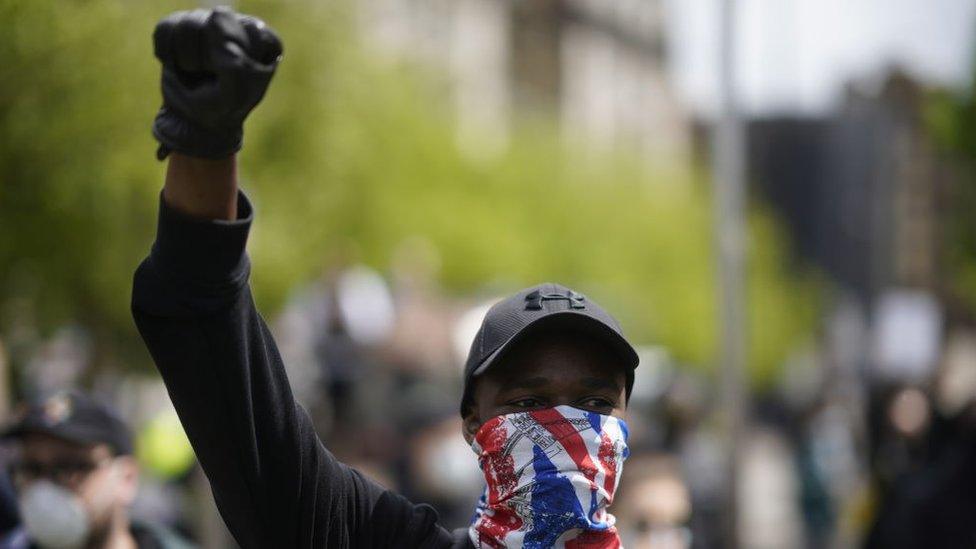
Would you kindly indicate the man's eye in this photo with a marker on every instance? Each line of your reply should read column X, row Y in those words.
column 596, row 403
column 526, row 403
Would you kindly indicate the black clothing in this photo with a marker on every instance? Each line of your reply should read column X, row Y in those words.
column 933, row 505
column 9, row 513
column 274, row 482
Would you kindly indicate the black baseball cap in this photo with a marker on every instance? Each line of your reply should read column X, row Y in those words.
column 74, row 417
column 509, row 321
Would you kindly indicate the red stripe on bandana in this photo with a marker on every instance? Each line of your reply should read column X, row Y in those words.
column 607, row 539
column 503, row 521
column 608, row 458
column 501, row 479
column 567, row 435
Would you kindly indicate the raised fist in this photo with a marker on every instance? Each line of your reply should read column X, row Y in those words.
column 216, row 67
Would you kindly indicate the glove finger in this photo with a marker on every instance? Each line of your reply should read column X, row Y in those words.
column 189, row 40
column 163, row 36
column 239, row 75
column 265, row 46
column 254, row 43
column 228, row 41
column 223, row 26
column 242, row 81
column 233, row 60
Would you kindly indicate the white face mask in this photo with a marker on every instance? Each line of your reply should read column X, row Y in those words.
column 446, row 468
column 54, row 517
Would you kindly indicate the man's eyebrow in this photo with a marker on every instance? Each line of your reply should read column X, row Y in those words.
column 526, row 383
column 601, row 383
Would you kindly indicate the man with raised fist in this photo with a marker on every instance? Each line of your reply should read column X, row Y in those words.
column 545, row 384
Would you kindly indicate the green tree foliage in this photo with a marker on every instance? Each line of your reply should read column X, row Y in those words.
column 346, row 152
column 76, row 189
column 952, row 118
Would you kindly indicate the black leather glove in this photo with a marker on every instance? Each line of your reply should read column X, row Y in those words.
column 216, row 67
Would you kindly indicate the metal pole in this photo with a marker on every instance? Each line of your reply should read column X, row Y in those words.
column 728, row 174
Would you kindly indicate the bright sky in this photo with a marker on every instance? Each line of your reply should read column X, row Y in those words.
column 794, row 56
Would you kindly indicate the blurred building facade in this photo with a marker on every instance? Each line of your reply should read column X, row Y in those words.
column 598, row 68
column 860, row 190
column 862, row 194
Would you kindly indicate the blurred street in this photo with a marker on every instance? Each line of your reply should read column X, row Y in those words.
column 417, row 160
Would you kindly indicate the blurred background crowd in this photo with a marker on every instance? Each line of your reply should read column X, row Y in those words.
column 416, row 159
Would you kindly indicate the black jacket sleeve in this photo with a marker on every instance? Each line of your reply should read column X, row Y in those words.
column 274, row 482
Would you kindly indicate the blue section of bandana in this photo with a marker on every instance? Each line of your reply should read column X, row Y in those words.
column 626, row 432
column 595, row 422
column 555, row 508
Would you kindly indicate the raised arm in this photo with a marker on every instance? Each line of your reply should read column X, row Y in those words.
column 202, row 188
column 274, row 482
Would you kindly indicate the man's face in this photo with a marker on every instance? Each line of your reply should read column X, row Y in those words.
column 104, row 483
column 549, row 368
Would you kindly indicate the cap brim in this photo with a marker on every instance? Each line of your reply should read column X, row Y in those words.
column 19, row 431
column 594, row 326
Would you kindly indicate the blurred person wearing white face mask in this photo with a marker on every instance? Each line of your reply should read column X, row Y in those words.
column 76, row 478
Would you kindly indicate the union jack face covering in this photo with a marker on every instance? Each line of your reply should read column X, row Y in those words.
column 550, row 475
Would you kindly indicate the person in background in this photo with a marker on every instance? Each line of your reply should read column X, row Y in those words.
column 75, row 478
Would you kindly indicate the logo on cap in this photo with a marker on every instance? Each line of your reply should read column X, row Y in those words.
column 533, row 301
column 57, row 409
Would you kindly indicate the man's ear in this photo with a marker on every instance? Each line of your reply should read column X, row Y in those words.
column 470, row 424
